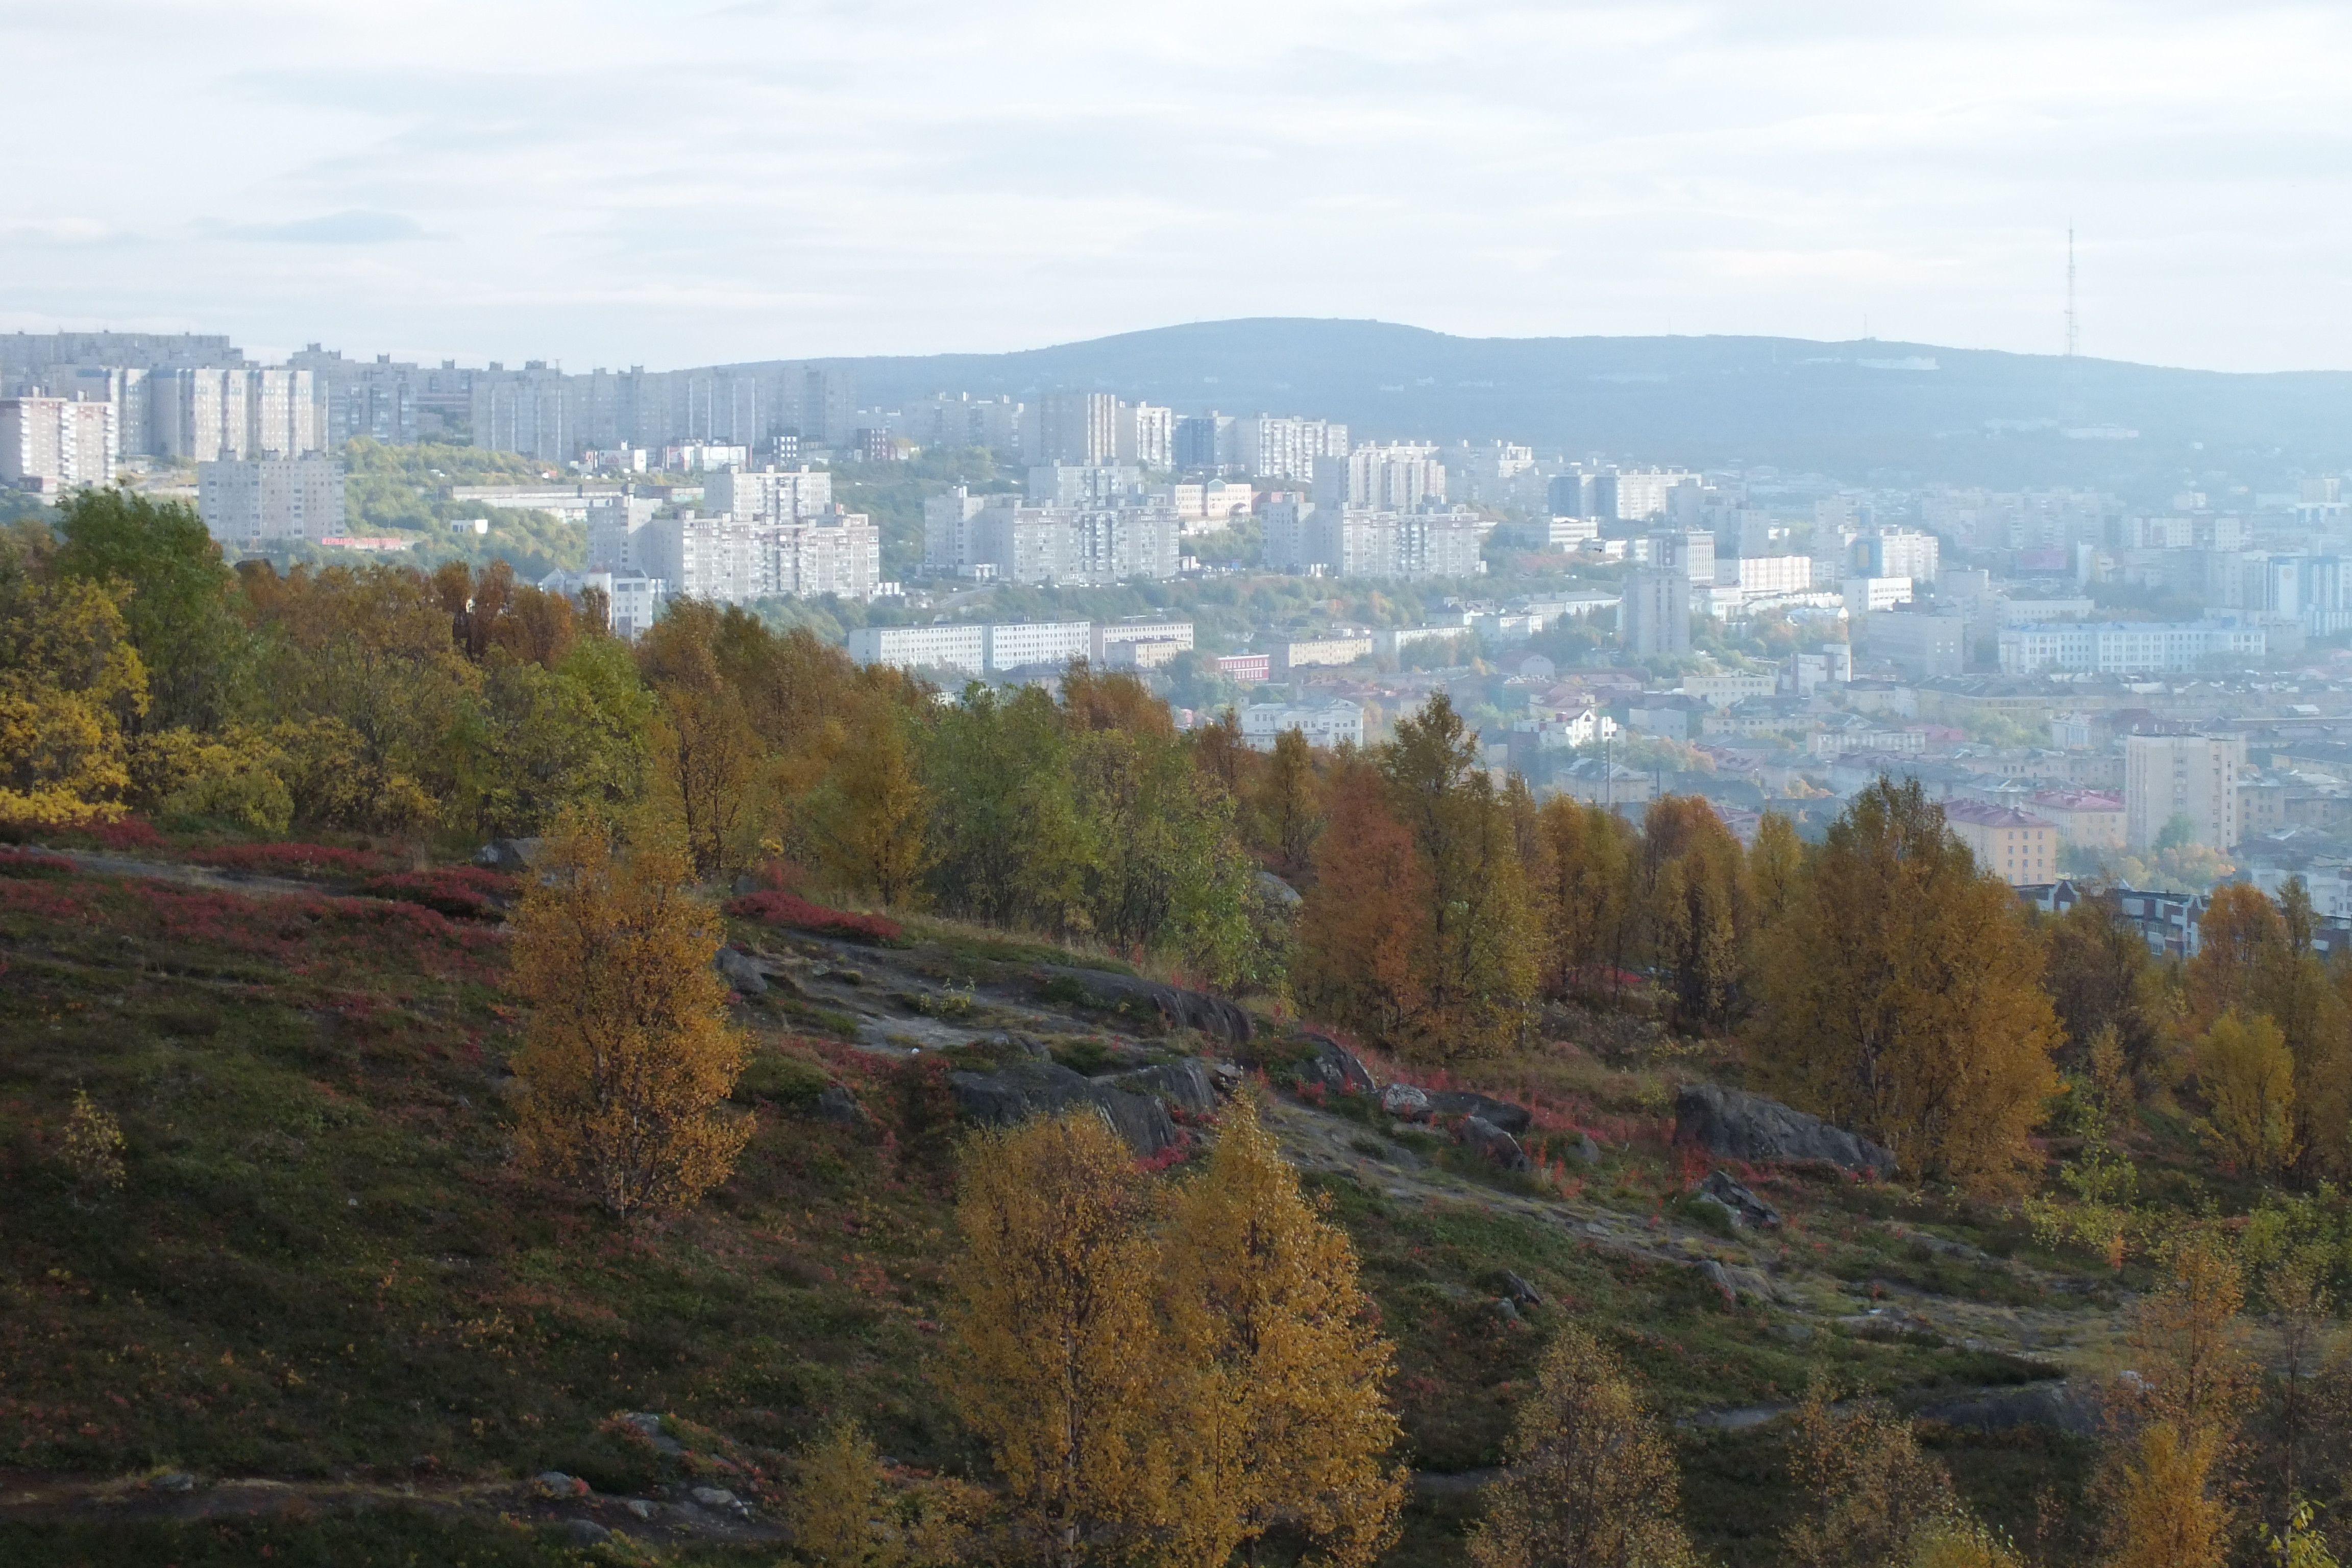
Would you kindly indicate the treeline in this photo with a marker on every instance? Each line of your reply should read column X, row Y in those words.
column 1878, row 978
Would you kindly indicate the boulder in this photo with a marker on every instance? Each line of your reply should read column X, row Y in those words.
column 1520, row 1290
column 1181, row 1009
column 508, row 853
column 2063, row 1404
column 836, row 1104
column 1405, row 1102
column 1489, row 1142
column 1336, row 1067
column 1277, row 892
column 1734, row 1282
column 1585, row 1149
column 1408, row 1103
column 1743, row 1126
column 742, row 971
column 1186, row 1084
column 586, row 1532
column 1013, row 1094
column 1744, row 1206
column 714, row 1497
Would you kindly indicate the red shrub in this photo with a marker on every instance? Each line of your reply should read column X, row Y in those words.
column 33, row 863
column 313, row 860
column 464, row 892
column 778, row 909
column 131, row 833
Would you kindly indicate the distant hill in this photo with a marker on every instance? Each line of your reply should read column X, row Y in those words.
column 1851, row 409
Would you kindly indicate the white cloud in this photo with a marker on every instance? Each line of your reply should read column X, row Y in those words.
column 613, row 183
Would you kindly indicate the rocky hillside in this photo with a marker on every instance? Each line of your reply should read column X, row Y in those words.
column 321, row 1315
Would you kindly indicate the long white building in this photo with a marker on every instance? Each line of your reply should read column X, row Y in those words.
column 2127, row 647
column 998, row 537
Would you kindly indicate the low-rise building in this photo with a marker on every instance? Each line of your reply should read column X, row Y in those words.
column 1329, row 724
column 2127, row 647
column 1340, row 647
column 2018, row 847
column 940, row 646
column 2093, row 819
column 1248, row 667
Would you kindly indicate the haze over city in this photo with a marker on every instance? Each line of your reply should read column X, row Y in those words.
column 599, row 183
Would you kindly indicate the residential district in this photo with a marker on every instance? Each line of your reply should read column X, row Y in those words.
column 2153, row 689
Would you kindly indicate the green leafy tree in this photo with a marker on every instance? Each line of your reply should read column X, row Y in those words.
column 181, row 613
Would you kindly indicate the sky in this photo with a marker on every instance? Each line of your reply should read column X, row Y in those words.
column 658, row 185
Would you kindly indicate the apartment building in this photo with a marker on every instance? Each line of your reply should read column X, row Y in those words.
column 2127, row 647
column 1400, row 477
column 52, row 444
column 955, row 648
column 2018, row 847
column 1654, row 615
column 2194, row 777
column 1640, row 495
column 1276, row 447
column 249, row 499
column 1768, row 575
column 999, row 537
column 1329, row 724
column 2093, row 818
column 728, row 560
column 769, row 494
column 1340, row 648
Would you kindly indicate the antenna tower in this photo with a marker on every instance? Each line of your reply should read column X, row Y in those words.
column 2070, row 291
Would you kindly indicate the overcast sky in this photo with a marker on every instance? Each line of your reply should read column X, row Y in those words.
column 614, row 185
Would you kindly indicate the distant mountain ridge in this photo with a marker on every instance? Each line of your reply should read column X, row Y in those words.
column 1847, row 408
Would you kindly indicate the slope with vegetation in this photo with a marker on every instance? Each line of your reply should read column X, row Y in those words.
column 353, row 1185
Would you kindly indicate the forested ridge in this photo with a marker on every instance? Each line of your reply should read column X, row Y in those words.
column 1206, row 1353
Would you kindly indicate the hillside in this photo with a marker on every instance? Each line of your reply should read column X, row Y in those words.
column 1850, row 408
column 323, row 1315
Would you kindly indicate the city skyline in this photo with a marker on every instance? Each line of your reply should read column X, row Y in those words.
column 774, row 182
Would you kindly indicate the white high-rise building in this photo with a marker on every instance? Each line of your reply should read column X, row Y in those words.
column 272, row 498
column 769, row 495
column 1648, row 492
column 1147, row 435
column 1654, row 615
column 1279, row 447
column 729, row 560
column 55, row 443
column 1402, row 476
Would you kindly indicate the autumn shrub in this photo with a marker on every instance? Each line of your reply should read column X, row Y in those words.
column 796, row 913
column 32, row 863
column 462, row 892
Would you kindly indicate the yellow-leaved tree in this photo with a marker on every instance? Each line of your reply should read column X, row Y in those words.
column 1056, row 1358
column 1870, row 1492
column 870, row 815
column 2170, row 1473
column 1902, row 997
column 69, row 680
column 1593, row 1479
column 845, row 1513
column 2248, row 1079
column 1282, row 1407
column 628, row 1054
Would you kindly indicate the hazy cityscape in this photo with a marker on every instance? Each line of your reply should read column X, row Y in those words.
column 1333, row 786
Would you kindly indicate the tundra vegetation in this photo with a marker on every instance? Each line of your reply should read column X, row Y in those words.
column 642, row 1153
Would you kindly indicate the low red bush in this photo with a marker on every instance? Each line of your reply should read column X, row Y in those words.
column 464, row 892
column 790, row 909
column 296, row 860
column 33, row 863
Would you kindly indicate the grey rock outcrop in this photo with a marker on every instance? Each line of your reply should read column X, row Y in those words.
column 1408, row 1103
column 1744, row 1206
column 1277, row 892
column 836, row 1104
column 1336, row 1067
column 1188, row 1085
column 1405, row 1102
column 508, row 853
column 1743, row 1126
column 2063, row 1404
column 1180, row 1009
column 739, row 969
column 1734, row 1282
column 1483, row 1138
column 1015, row 1094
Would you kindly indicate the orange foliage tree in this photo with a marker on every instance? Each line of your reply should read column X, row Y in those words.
column 1361, row 931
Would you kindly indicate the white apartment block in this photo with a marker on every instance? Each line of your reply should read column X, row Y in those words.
column 55, row 443
column 1873, row 595
column 2127, row 647
column 271, row 498
column 958, row 648
column 996, row 536
column 1147, row 435
column 1327, row 725
column 1650, row 493
column 1015, row 645
column 1281, row 448
column 631, row 599
column 2192, row 776
column 1109, row 634
column 199, row 416
column 729, row 560
column 771, row 494
column 1762, row 575
column 1074, row 484
column 1079, row 427
column 1397, row 477
column 1691, row 552
column 615, row 523
column 1301, row 536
